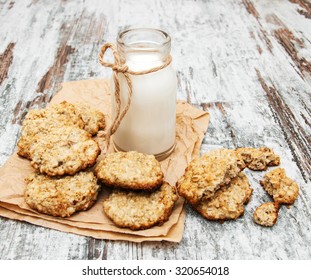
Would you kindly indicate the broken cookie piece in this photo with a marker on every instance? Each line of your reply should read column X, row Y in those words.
column 208, row 173
column 258, row 159
column 228, row 202
column 282, row 189
column 266, row 214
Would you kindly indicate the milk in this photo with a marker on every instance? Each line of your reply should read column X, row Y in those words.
column 149, row 124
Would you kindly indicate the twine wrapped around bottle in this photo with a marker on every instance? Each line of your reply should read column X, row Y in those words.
column 118, row 67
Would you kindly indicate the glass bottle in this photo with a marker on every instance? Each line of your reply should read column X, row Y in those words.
column 149, row 124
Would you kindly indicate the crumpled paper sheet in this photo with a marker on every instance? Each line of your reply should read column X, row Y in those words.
column 191, row 124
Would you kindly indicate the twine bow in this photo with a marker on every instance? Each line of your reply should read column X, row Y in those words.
column 118, row 67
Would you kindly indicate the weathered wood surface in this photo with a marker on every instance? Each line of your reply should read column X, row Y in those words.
column 247, row 62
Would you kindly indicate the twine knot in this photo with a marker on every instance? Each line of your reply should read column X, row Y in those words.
column 118, row 67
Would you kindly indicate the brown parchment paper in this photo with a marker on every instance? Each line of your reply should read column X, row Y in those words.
column 191, row 124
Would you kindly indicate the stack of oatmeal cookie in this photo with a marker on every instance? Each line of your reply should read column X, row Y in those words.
column 58, row 142
column 216, row 187
column 139, row 198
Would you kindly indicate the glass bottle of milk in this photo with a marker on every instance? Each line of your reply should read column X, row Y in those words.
column 149, row 124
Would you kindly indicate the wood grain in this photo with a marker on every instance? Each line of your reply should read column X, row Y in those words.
column 306, row 7
column 6, row 60
column 247, row 62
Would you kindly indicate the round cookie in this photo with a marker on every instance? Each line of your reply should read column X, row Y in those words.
column 39, row 122
column 228, row 202
column 206, row 174
column 61, row 196
column 93, row 119
column 64, row 150
column 130, row 170
column 140, row 210
column 266, row 214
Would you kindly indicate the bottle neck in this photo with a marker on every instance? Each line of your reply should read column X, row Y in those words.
column 143, row 48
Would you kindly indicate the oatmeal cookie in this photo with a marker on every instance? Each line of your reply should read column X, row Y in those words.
column 228, row 202
column 266, row 214
column 64, row 150
column 206, row 174
column 93, row 119
column 130, row 170
column 39, row 122
column 282, row 189
column 61, row 196
column 258, row 159
column 140, row 210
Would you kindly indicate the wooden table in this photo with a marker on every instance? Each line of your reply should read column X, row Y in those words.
column 248, row 62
